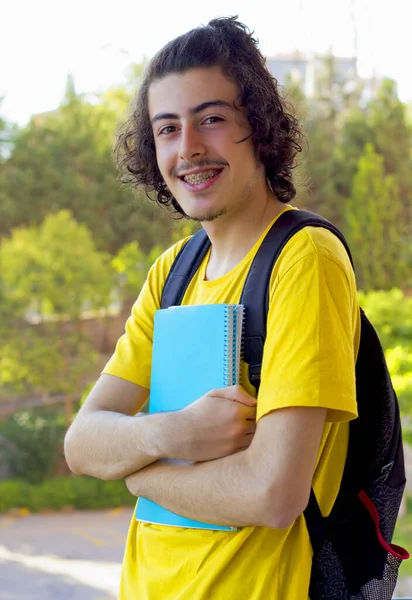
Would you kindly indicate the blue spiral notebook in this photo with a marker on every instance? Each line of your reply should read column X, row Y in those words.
column 195, row 349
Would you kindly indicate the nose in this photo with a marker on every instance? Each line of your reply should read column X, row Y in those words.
column 191, row 143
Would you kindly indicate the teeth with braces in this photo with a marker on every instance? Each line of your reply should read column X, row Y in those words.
column 197, row 178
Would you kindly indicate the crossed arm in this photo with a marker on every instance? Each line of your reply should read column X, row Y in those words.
column 267, row 484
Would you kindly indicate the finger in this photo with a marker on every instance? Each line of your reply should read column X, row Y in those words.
column 246, row 401
column 240, row 395
column 235, row 393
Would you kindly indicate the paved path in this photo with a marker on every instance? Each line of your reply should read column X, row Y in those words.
column 74, row 556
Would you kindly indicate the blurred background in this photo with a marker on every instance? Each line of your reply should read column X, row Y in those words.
column 75, row 245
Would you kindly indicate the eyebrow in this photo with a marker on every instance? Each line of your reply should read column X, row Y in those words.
column 195, row 110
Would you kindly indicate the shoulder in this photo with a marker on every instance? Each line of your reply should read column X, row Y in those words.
column 314, row 245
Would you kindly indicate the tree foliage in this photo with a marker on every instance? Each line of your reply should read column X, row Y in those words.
column 54, row 268
column 382, row 122
column 63, row 160
column 374, row 225
column 50, row 273
column 132, row 266
column 391, row 314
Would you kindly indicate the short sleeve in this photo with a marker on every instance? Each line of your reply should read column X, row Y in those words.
column 132, row 359
column 309, row 354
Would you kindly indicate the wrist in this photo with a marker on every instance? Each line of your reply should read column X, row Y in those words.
column 134, row 483
column 167, row 433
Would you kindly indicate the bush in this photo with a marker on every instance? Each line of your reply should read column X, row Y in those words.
column 35, row 443
column 79, row 492
column 391, row 315
column 399, row 361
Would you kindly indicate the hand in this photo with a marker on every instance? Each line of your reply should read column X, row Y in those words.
column 219, row 423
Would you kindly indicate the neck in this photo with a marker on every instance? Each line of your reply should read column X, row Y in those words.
column 235, row 233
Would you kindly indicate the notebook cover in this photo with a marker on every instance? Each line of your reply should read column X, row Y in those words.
column 192, row 349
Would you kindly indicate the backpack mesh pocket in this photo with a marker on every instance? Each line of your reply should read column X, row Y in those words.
column 381, row 589
column 331, row 582
column 355, row 562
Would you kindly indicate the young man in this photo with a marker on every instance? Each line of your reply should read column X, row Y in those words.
column 212, row 137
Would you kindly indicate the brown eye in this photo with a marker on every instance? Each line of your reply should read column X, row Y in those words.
column 212, row 120
column 167, row 130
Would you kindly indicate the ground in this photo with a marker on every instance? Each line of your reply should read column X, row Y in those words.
column 75, row 556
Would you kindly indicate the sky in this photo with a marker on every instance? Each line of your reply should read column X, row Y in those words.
column 42, row 41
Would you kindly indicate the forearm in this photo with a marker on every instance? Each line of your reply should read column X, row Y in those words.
column 110, row 445
column 223, row 491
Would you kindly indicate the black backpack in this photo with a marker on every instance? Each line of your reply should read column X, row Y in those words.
column 353, row 558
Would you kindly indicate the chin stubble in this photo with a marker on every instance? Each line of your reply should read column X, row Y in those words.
column 208, row 218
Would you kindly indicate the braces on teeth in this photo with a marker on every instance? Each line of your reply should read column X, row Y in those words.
column 199, row 177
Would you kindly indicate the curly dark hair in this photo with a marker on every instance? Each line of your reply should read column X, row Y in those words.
column 276, row 132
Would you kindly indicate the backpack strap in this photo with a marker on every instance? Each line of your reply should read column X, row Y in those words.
column 255, row 298
column 184, row 268
column 255, row 295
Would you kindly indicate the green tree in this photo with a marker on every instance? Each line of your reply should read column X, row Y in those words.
column 400, row 366
column 132, row 266
column 350, row 145
column 63, row 160
column 392, row 134
column 333, row 99
column 2, row 128
column 322, row 195
column 408, row 114
column 391, row 314
column 55, row 269
column 374, row 226
column 393, row 140
column 49, row 274
column 382, row 122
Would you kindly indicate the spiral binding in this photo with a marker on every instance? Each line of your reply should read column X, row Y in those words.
column 241, row 344
column 234, row 324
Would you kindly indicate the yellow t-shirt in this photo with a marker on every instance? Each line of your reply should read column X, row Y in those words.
column 309, row 360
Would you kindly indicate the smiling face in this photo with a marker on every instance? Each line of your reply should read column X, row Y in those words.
column 203, row 143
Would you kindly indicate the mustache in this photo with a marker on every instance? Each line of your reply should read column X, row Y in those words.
column 201, row 164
